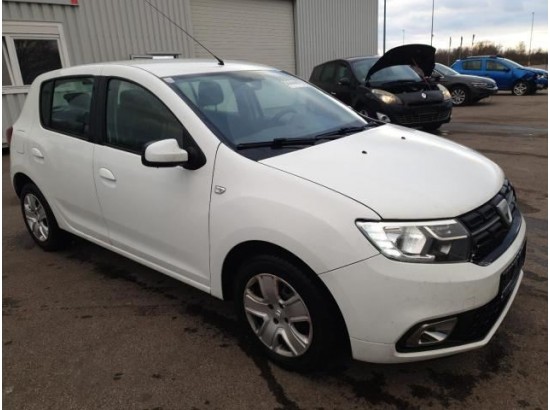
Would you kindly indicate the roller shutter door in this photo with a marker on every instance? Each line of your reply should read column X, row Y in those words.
column 260, row 31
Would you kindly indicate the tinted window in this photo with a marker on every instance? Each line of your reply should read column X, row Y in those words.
column 36, row 57
column 471, row 65
column 327, row 75
column 135, row 117
column 316, row 73
column 65, row 105
column 494, row 66
column 258, row 106
column 342, row 71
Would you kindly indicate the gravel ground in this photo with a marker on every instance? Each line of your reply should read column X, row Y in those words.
column 88, row 329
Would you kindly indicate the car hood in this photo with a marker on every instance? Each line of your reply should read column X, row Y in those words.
column 399, row 173
column 420, row 55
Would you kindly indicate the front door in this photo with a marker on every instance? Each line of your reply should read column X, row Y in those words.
column 157, row 215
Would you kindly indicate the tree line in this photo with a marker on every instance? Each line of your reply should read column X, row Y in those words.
column 519, row 54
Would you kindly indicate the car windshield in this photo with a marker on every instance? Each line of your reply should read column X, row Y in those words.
column 443, row 69
column 262, row 106
column 386, row 75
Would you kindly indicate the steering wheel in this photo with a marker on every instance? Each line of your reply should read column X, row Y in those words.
column 281, row 114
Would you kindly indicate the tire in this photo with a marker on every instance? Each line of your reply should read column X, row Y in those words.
column 460, row 95
column 302, row 335
column 39, row 219
column 520, row 88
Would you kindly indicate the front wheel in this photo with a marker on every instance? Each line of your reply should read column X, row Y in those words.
column 39, row 219
column 520, row 88
column 286, row 314
column 459, row 95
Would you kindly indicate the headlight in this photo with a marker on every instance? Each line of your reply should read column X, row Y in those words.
column 445, row 92
column 434, row 241
column 386, row 97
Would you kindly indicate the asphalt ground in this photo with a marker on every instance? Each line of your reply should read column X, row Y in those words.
column 87, row 329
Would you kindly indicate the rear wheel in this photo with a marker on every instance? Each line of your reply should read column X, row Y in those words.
column 460, row 95
column 520, row 88
column 39, row 219
column 286, row 314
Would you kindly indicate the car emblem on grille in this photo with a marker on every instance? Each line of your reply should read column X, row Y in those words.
column 423, row 95
column 503, row 209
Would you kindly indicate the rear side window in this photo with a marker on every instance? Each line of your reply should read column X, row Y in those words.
column 471, row 65
column 135, row 117
column 65, row 105
column 316, row 73
column 343, row 71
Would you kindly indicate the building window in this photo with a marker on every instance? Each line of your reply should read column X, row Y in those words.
column 30, row 49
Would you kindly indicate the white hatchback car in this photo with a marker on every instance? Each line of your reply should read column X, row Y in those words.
column 331, row 234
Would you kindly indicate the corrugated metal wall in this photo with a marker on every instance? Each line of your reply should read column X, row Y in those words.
column 329, row 29
column 107, row 30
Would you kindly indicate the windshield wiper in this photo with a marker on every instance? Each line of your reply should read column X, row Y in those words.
column 288, row 142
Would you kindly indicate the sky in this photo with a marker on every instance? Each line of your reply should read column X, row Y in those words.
column 504, row 22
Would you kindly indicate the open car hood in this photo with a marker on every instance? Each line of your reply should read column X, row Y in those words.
column 420, row 55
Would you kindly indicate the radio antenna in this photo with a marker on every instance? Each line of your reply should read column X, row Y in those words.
column 220, row 61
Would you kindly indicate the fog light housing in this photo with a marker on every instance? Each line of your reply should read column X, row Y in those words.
column 431, row 333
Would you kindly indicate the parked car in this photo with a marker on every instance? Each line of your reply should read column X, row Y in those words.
column 388, row 88
column 330, row 234
column 464, row 89
column 508, row 74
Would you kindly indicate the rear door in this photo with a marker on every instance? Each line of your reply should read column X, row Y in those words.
column 61, row 152
column 344, row 84
column 473, row 67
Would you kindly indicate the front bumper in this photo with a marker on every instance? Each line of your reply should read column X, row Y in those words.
column 477, row 93
column 419, row 115
column 381, row 300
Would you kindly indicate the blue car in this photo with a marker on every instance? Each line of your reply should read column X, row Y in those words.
column 508, row 74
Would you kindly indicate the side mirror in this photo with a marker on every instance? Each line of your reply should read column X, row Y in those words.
column 164, row 153
column 344, row 81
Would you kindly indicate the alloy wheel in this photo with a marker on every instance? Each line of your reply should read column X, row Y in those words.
column 458, row 96
column 520, row 88
column 36, row 218
column 278, row 315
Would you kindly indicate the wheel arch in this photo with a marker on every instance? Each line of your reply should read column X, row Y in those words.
column 19, row 181
column 245, row 250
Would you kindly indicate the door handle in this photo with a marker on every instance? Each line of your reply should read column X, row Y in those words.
column 106, row 174
column 37, row 153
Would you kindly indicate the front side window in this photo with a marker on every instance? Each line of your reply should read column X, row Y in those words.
column 327, row 75
column 495, row 66
column 259, row 106
column 472, row 65
column 135, row 117
column 342, row 71
column 65, row 105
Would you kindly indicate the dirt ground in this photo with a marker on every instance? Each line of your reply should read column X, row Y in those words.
column 88, row 329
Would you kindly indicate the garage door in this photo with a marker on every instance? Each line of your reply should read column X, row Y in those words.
column 260, row 31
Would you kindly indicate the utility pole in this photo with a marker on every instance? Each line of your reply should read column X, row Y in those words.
column 403, row 36
column 531, row 39
column 460, row 49
column 473, row 39
column 384, row 40
column 432, row 33
column 449, row 53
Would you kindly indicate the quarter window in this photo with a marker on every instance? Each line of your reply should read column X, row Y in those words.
column 135, row 117
column 472, row 65
column 328, row 72
column 65, row 105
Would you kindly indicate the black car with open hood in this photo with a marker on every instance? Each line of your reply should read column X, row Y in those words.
column 393, row 88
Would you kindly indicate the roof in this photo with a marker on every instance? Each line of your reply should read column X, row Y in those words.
column 181, row 66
